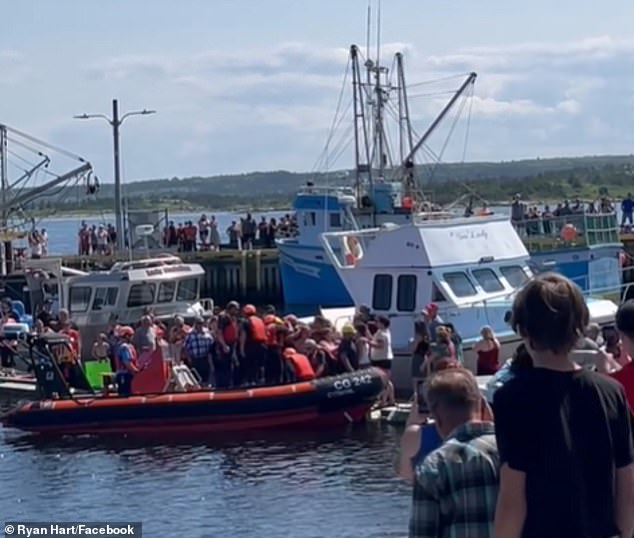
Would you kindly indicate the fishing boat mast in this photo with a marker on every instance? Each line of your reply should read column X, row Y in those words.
column 372, row 97
column 16, row 195
column 4, row 187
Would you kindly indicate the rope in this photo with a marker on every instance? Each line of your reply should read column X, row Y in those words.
column 335, row 118
column 46, row 144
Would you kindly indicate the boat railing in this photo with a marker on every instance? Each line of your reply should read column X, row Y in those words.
column 568, row 231
column 325, row 190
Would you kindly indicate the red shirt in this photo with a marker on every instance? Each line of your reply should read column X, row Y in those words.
column 625, row 376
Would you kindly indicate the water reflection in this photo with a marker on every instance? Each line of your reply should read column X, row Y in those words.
column 335, row 483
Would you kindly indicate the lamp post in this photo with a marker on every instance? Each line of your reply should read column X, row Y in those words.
column 116, row 122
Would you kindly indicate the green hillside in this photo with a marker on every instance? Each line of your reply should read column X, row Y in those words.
column 536, row 179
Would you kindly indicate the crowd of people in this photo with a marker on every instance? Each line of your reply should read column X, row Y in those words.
column 241, row 347
column 243, row 234
column 554, row 455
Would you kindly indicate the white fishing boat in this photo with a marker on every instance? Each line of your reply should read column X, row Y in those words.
column 164, row 285
column 471, row 268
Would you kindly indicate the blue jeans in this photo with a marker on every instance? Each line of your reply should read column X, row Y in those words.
column 124, row 383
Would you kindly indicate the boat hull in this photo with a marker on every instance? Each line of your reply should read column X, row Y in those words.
column 308, row 277
column 329, row 401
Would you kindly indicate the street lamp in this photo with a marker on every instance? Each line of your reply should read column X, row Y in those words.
column 116, row 122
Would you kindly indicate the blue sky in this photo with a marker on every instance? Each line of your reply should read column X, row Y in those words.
column 244, row 85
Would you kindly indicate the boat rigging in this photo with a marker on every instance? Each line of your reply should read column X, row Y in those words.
column 32, row 177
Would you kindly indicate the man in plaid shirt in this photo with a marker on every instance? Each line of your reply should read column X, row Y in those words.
column 456, row 486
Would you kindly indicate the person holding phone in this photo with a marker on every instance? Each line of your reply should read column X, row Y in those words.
column 421, row 436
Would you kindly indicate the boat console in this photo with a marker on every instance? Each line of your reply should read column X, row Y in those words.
column 58, row 374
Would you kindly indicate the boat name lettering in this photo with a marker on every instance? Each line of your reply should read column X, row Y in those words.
column 167, row 270
column 469, row 234
column 339, row 393
column 349, row 382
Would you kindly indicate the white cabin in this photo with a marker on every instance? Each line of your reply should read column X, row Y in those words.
column 165, row 285
column 469, row 267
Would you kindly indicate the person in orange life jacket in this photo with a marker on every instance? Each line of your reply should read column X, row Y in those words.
column 625, row 326
column 298, row 365
column 275, row 333
column 317, row 358
column 251, row 346
column 347, row 354
column 225, row 361
column 67, row 327
column 126, row 359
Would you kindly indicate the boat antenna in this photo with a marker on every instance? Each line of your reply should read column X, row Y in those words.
column 368, row 29
column 378, row 34
column 4, row 184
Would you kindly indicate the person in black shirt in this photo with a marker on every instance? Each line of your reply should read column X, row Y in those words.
column 45, row 315
column 563, row 433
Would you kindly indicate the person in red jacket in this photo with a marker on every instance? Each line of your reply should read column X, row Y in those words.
column 625, row 326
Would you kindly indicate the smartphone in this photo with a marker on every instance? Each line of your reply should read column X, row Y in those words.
column 610, row 335
column 423, row 409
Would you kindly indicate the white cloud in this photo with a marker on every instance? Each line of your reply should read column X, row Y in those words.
column 270, row 108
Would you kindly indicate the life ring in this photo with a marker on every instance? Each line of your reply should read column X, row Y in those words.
column 568, row 233
column 351, row 250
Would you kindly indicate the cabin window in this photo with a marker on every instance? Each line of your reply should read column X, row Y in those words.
column 79, row 298
column 515, row 275
column 382, row 292
column 406, row 293
column 187, row 290
column 141, row 294
column 335, row 220
column 310, row 218
column 105, row 297
column 488, row 280
column 437, row 296
column 459, row 284
column 166, row 292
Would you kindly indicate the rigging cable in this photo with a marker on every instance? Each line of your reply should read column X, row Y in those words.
column 336, row 117
column 46, row 144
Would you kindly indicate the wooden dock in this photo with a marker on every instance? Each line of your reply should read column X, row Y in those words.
column 254, row 275
column 241, row 275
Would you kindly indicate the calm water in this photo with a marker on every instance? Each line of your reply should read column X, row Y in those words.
column 303, row 485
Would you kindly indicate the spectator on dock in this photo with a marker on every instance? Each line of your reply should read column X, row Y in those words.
column 488, row 351
column 214, row 234
column 625, row 326
column 563, row 433
column 627, row 211
column 456, row 486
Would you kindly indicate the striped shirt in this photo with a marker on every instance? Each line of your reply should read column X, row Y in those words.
column 456, row 486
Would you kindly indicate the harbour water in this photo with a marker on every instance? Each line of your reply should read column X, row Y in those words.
column 299, row 484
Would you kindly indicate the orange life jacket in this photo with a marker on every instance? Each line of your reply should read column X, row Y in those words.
column 230, row 331
column 302, row 368
column 257, row 330
column 272, row 335
column 73, row 337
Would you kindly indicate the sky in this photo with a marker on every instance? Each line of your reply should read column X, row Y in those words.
column 245, row 85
